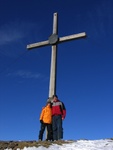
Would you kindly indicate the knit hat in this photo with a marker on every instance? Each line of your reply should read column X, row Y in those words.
column 55, row 96
column 48, row 103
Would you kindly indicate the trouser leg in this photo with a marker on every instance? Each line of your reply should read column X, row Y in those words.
column 41, row 132
column 49, row 130
column 59, row 127
column 54, row 127
column 62, row 134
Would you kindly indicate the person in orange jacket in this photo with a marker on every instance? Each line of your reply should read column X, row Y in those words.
column 46, row 121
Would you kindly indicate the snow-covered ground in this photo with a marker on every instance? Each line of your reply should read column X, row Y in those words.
column 106, row 144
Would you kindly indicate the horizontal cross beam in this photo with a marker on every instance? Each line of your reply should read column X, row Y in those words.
column 61, row 39
column 72, row 37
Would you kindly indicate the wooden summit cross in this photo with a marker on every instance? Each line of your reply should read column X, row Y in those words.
column 53, row 40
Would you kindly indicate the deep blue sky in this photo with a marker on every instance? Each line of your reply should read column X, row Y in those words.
column 84, row 73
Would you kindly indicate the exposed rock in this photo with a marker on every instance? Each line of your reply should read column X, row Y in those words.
column 21, row 144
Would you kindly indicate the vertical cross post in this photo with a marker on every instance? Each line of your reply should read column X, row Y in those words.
column 52, row 85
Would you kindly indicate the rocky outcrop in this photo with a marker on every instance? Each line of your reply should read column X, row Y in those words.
column 21, row 144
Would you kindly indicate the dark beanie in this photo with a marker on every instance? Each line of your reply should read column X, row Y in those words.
column 48, row 102
column 55, row 96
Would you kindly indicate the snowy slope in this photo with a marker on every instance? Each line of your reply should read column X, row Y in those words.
column 106, row 144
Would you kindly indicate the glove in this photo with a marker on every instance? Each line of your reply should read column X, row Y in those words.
column 41, row 121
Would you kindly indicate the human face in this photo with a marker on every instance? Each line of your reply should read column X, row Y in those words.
column 48, row 104
column 55, row 98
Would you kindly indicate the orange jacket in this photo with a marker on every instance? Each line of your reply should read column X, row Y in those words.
column 46, row 115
